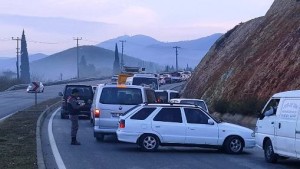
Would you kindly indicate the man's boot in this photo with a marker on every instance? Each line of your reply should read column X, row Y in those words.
column 74, row 141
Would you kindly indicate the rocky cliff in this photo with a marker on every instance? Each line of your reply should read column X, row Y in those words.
column 253, row 60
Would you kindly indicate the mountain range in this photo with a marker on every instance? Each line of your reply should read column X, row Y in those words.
column 150, row 49
column 63, row 65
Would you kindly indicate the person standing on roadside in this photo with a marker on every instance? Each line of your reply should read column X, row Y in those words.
column 74, row 109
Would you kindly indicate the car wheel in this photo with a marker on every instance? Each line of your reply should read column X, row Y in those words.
column 100, row 137
column 270, row 156
column 233, row 145
column 149, row 142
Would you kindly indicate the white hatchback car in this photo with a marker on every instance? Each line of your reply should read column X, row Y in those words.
column 151, row 125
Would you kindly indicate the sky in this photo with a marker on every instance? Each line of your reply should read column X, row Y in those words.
column 51, row 25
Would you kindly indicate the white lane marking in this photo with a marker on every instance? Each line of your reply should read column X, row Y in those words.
column 54, row 148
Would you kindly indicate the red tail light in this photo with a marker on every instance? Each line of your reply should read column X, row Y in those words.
column 97, row 113
column 122, row 124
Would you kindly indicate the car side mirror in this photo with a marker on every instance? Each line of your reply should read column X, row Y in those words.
column 60, row 94
column 210, row 122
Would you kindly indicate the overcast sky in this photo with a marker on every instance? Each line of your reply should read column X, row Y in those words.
column 50, row 25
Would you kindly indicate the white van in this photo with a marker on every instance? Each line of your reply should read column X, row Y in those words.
column 111, row 101
column 278, row 127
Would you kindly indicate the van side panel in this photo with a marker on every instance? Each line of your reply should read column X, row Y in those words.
column 297, row 133
column 285, row 127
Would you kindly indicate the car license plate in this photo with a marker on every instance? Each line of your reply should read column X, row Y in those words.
column 116, row 114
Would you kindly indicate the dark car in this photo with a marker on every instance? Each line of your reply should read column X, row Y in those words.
column 86, row 95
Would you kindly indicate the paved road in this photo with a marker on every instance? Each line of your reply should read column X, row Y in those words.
column 112, row 154
column 13, row 101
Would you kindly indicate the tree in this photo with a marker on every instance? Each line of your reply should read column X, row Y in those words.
column 25, row 74
column 116, row 66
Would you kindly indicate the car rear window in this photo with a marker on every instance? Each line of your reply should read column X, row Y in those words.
column 142, row 114
column 84, row 91
column 162, row 96
column 122, row 96
column 151, row 82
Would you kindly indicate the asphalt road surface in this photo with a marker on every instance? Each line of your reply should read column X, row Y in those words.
column 13, row 101
column 112, row 154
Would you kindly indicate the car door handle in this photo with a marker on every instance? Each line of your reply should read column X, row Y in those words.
column 272, row 122
column 279, row 125
column 297, row 132
column 157, row 126
column 191, row 128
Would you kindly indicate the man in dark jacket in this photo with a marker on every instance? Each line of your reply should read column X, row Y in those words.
column 74, row 109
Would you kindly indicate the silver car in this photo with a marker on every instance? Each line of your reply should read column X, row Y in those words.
column 112, row 101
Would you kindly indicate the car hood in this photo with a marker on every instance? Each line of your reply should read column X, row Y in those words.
column 234, row 127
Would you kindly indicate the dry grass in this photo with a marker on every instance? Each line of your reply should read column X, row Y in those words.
column 17, row 138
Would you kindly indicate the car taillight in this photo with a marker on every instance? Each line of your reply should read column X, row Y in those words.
column 97, row 113
column 122, row 124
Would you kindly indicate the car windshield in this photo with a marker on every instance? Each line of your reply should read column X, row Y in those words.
column 162, row 96
column 195, row 102
column 121, row 96
column 84, row 91
column 151, row 82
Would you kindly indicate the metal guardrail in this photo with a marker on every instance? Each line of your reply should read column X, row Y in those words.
column 24, row 86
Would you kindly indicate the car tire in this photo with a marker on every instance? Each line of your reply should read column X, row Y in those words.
column 233, row 145
column 100, row 137
column 149, row 142
column 270, row 156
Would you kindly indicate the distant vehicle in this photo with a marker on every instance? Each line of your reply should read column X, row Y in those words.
column 154, row 125
column 278, row 127
column 30, row 88
column 111, row 101
column 85, row 95
column 198, row 102
column 114, row 79
column 143, row 80
column 164, row 96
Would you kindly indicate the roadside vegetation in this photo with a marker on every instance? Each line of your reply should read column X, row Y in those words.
column 6, row 82
column 249, row 106
column 18, row 137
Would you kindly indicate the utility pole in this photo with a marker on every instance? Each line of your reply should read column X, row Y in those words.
column 176, row 47
column 17, row 63
column 77, row 39
column 122, row 60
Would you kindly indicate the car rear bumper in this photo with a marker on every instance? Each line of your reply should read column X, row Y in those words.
column 101, row 130
column 128, row 137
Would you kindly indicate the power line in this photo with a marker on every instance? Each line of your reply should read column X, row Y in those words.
column 77, row 39
column 176, row 47
column 122, row 59
column 17, row 63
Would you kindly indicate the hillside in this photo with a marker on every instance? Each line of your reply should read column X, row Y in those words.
column 252, row 61
column 150, row 49
column 7, row 63
column 64, row 63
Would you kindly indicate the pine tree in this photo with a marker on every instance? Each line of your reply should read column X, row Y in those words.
column 116, row 66
column 25, row 74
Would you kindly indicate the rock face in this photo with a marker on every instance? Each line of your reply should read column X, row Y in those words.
column 253, row 60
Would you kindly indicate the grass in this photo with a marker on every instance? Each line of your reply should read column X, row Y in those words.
column 18, row 138
column 6, row 82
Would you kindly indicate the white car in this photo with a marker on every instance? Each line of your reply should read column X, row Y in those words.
column 40, row 89
column 153, row 125
column 198, row 102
